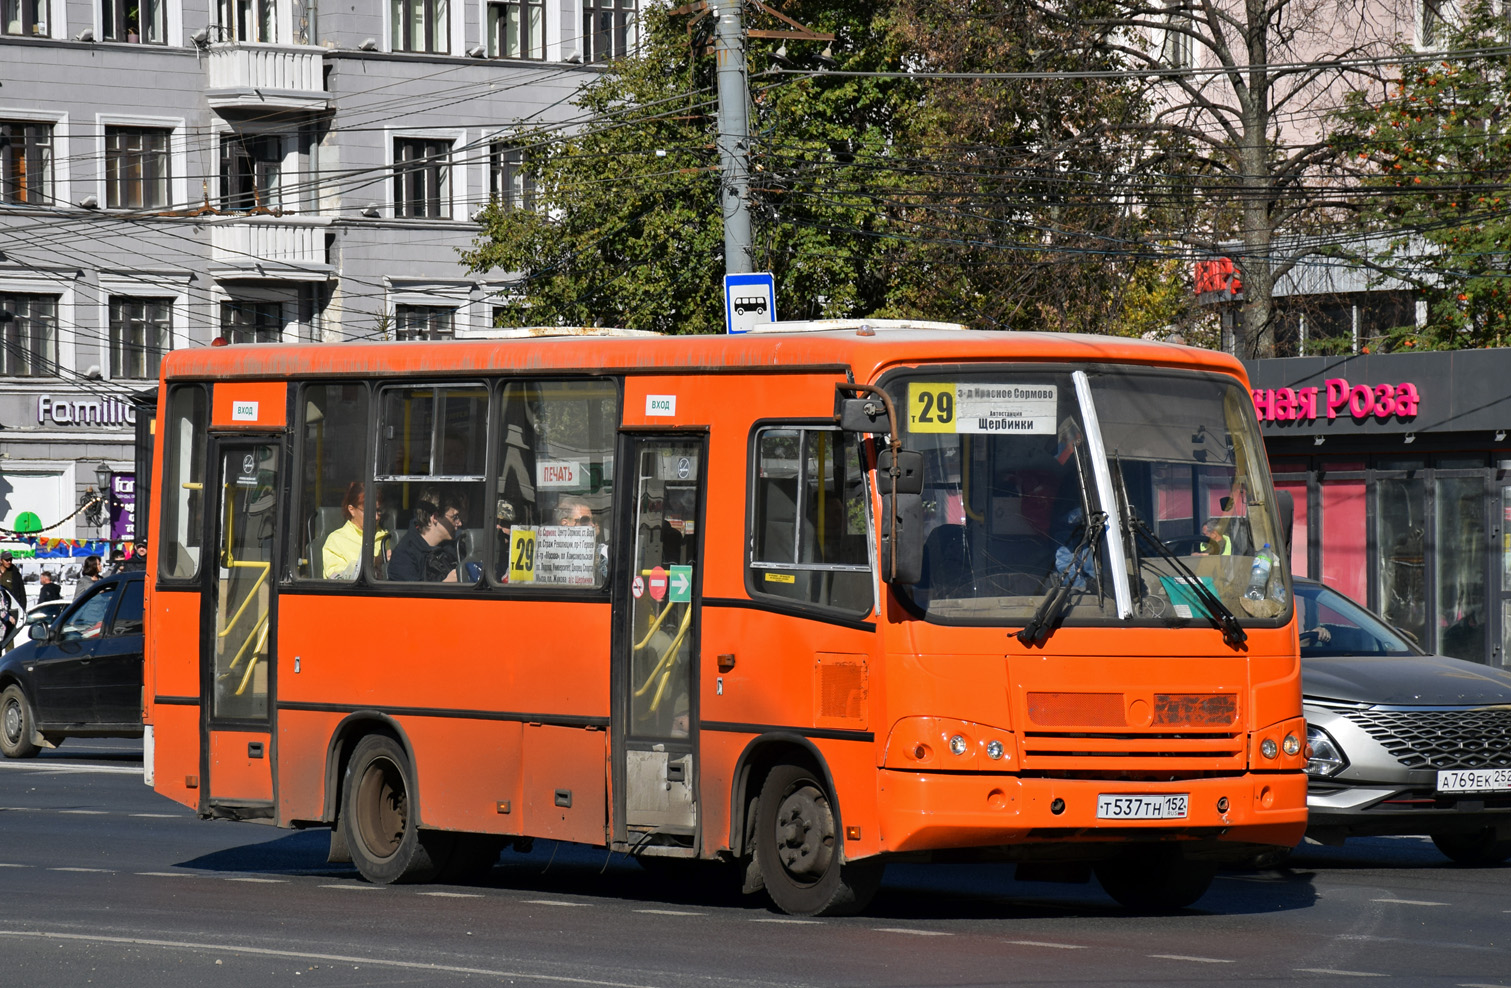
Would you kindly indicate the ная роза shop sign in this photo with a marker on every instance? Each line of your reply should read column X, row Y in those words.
column 1337, row 396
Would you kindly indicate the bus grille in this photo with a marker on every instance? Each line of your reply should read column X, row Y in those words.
column 1441, row 739
column 1184, row 752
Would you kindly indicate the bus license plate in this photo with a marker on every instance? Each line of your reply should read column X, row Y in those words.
column 1156, row 806
column 1475, row 780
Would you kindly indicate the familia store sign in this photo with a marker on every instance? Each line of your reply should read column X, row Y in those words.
column 1338, row 397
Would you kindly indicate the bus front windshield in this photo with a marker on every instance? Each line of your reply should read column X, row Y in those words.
column 1124, row 485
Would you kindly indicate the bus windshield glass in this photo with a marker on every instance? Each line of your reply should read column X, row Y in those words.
column 1167, row 467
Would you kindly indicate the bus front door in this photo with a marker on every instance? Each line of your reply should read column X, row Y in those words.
column 236, row 660
column 656, row 644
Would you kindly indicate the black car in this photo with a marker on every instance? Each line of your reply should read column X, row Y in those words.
column 1401, row 742
column 78, row 676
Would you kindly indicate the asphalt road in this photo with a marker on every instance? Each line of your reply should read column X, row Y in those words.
column 102, row 882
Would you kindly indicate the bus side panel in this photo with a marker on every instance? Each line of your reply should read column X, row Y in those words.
column 174, row 636
column 300, row 770
column 566, row 772
column 176, row 753
column 468, row 773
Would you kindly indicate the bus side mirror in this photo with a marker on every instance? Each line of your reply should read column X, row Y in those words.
column 1286, row 505
column 867, row 415
column 901, row 537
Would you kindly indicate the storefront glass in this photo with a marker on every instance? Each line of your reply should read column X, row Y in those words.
column 1459, row 564
column 1400, row 531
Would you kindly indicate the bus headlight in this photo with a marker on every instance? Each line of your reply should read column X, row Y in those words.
column 1291, row 745
column 994, row 749
column 1325, row 758
column 957, row 744
column 1268, row 748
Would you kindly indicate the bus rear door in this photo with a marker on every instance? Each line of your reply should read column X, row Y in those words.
column 236, row 644
column 656, row 641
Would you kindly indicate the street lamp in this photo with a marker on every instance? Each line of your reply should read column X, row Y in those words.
column 102, row 477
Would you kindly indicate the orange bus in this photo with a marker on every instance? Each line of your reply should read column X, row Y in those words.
column 800, row 601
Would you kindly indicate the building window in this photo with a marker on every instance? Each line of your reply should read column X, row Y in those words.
column 608, row 29
column 420, row 186
column 251, row 322
column 140, row 333
column 1175, row 43
column 419, row 25
column 249, row 170
column 248, row 21
column 136, row 168
column 510, row 177
column 135, row 21
column 25, row 163
column 517, row 29
column 424, row 322
column 1430, row 23
column 27, row 18
column 28, row 335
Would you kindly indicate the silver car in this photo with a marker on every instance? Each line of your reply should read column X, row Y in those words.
column 1401, row 742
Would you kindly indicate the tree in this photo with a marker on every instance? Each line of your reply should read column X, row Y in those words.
column 1233, row 109
column 995, row 204
column 1433, row 159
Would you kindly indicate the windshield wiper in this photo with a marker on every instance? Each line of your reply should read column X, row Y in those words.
column 1047, row 618
column 1222, row 618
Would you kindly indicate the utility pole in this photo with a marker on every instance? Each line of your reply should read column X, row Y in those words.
column 734, row 135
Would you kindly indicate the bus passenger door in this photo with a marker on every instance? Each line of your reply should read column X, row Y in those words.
column 656, row 606
column 236, row 660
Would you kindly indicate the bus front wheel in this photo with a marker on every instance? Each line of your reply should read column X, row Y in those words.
column 800, row 852
column 379, row 818
column 1155, row 879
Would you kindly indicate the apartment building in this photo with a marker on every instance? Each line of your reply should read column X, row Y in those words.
column 172, row 171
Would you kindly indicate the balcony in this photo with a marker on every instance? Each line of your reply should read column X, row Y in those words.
column 266, row 77
column 267, row 248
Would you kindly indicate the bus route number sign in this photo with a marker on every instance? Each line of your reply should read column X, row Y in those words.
column 982, row 407
column 521, row 555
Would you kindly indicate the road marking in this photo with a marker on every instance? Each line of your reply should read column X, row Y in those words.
column 1194, row 960
column 1410, row 902
column 453, row 895
column 669, row 912
column 7, row 864
column 266, row 881
column 352, row 888
column 1046, row 943
column 307, row 956
column 158, row 816
column 85, row 812
column 554, row 902
column 165, row 874
column 87, row 769
column 788, row 920
column 1340, row 974
column 916, row 933
column 99, row 871
column 1473, row 985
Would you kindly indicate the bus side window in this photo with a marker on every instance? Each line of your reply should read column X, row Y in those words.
column 432, row 446
column 182, row 499
column 326, row 540
column 809, row 526
column 555, row 475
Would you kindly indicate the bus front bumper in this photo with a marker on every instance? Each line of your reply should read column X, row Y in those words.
column 923, row 811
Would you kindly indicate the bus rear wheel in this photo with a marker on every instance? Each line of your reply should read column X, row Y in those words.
column 800, row 853
column 1155, row 879
column 15, row 724
column 379, row 818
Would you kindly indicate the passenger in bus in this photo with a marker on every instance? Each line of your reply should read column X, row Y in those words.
column 425, row 554
column 572, row 511
column 341, row 556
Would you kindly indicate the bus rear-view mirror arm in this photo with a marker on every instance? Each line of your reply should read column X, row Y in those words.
column 867, row 409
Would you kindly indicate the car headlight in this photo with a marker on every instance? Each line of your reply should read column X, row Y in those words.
column 1324, row 757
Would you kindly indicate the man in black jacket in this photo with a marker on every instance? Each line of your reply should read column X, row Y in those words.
column 11, row 580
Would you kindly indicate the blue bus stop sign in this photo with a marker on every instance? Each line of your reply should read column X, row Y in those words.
column 749, row 301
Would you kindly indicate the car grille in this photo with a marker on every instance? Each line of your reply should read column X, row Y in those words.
column 1441, row 739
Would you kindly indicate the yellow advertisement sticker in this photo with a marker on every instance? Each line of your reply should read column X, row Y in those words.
column 780, row 578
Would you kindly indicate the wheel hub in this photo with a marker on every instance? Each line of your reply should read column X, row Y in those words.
column 805, row 833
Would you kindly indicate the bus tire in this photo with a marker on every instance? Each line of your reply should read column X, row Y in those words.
column 800, row 852
column 15, row 724
column 380, row 817
column 1155, row 879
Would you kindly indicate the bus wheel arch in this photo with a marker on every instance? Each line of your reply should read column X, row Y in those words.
column 791, row 831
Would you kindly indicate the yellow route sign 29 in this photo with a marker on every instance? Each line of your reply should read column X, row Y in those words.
column 982, row 407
